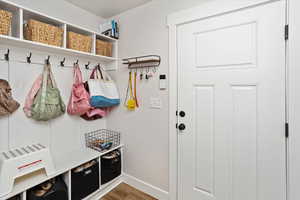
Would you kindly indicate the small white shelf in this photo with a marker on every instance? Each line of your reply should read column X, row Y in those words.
column 74, row 159
column 22, row 14
column 8, row 40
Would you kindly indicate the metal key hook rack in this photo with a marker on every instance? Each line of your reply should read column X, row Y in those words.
column 142, row 62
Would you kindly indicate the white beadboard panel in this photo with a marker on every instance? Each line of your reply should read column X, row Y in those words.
column 241, row 38
column 4, row 137
column 67, row 132
column 24, row 131
column 244, row 142
column 64, row 130
column 204, row 137
column 64, row 134
column 88, row 126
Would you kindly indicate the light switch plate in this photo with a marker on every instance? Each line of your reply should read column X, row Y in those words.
column 155, row 103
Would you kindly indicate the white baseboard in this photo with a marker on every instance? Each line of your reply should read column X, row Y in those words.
column 134, row 182
column 107, row 189
column 146, row 187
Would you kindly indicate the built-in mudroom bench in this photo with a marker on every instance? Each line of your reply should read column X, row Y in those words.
column 72, row 168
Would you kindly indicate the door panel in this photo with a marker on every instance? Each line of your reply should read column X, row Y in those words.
column 244, row 121
column 204, row 122
column 215, row 42
column 231, row 85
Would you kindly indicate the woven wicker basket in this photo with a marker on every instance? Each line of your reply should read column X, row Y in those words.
column 45, row 33
column 103, row 48
column 79, row 42
column 5, row 22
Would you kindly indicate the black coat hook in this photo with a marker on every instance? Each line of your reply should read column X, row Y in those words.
column 87, row 65
column 62, row 63
column 29, row 58
column 6, row 56
column 77, row 62
column 48, row 60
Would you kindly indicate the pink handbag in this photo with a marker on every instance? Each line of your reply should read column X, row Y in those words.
column 31, row 95
column 79, row 99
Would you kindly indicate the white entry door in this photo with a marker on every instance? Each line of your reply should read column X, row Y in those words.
column 232, row 89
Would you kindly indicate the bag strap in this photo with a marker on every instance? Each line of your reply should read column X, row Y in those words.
column 135, row 85
column 100, row 71
column 96, row 73
column 131, row 86
column 127, row 91
column 93, row 75
column 44, row 87
column 52, row 80
column 77, row 78
column 105, row 75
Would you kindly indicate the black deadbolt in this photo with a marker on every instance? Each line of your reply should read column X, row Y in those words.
column 181, row 127
column 182, row 114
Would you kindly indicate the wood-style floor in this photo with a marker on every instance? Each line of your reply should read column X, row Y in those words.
column 126, row 192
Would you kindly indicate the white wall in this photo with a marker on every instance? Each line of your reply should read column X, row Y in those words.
column 145, row 131
column 294, row 99
column 65, row 133
column 65, row 11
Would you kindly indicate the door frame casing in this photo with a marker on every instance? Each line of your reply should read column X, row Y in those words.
column 204, row 11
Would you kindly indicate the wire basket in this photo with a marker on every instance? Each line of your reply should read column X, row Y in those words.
column 102, row 140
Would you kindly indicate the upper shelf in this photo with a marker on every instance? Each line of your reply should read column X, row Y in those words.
column 22, row 14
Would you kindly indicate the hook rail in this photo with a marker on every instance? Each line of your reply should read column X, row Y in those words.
column 6, row 56
column 62, row 63
column 47, row 60
column 28, row 58
column 142, row 61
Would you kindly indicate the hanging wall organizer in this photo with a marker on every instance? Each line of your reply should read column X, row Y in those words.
column 149, row 61
column 147, row 67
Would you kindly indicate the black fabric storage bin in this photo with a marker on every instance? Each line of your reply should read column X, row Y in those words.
column 15, row 198
column 59, row 191
column 85, row 180
column 111, row 166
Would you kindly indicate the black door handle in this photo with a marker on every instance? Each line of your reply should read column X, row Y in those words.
column 182, row 114
column 181, row 127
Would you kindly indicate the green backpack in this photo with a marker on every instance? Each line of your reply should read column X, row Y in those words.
column 48, row 103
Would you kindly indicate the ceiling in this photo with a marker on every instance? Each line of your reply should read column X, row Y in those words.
column 107, row 8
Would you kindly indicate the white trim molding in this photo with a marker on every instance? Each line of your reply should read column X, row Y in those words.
column 173, row 148
column 213, row 8
column 204, row 11
column 146, row 187
column 108, row 189
column 136, row 183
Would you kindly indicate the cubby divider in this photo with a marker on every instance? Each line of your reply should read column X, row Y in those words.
column 67, row 179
